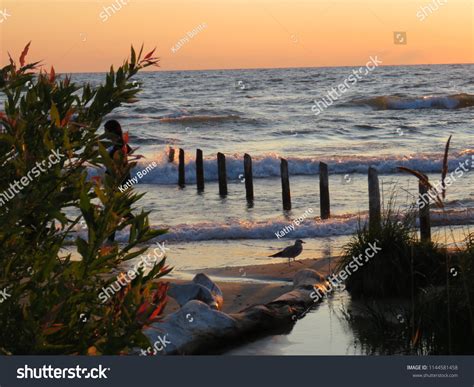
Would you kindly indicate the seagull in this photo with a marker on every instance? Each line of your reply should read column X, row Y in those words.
column 290, row 251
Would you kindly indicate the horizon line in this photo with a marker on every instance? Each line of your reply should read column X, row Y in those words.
column 273, row 68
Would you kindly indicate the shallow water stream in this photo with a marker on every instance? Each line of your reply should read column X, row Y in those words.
column 323, row 331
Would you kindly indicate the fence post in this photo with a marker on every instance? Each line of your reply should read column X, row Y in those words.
column 199, row 170
column 375, row 215
column 221, row 170
column 285, row 185
column 181, row 173
column 248, row 176
column 324, row 191
column 171, row 155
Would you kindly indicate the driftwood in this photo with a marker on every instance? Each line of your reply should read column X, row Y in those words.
column 199, row 329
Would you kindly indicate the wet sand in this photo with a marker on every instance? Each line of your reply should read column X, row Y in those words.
column 275, row 271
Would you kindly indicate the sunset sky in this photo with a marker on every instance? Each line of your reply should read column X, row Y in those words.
column 78, row 36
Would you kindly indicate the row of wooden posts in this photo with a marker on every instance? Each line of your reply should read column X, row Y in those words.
column 375, row 208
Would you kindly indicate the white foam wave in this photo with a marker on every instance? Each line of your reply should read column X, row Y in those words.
column 269, row 166
column 342, row 225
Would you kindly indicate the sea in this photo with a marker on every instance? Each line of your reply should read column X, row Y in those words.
column 392, row 116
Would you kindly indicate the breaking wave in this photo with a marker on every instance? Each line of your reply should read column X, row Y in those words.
column 268, row 166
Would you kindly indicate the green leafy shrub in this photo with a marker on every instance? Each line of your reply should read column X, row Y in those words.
column 53, row 305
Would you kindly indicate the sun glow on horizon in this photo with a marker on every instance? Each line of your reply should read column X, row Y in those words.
column 88, row 36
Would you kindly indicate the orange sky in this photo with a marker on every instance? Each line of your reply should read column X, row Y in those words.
column 73, row 36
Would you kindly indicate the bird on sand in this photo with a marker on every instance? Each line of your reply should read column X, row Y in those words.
column 290, row 251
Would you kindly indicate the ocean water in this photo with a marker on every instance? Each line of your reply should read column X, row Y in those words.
column 393, row 116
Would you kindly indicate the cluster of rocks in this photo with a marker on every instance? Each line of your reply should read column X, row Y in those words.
column 200, row 327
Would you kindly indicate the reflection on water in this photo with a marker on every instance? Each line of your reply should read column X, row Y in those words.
column 323, row 331
column 343, row 326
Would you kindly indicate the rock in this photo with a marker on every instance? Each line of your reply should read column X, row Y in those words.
column 203, row 280
column 187, row 292
column 194, row 326
column 307, row 278
column 297, row 299
column 198, row 328
column 202, row 289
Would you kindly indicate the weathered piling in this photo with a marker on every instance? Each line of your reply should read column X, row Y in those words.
column 199, row 170
column 324, row 191
column 375, row 214
column 181, row 175
column 222, row 173
column 285, row 185
column 248, row 176
column 424, row 212
column 171, row 155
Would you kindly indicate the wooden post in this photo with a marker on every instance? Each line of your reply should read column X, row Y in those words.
column 171, row 155
column 424, row 212
column 324, row 191
column 375, row 214
column 285, row 185
column 221, row 170
column 181, row 176
column 199, row 170
column 248, row 176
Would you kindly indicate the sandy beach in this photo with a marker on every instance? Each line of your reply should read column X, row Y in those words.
column 255, row 284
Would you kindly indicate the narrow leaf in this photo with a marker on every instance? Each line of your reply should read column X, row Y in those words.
column 55, row 115
column 52, row 75
column 149, row 54
column 23, row 54
column 424, row 180
column 444, row 172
